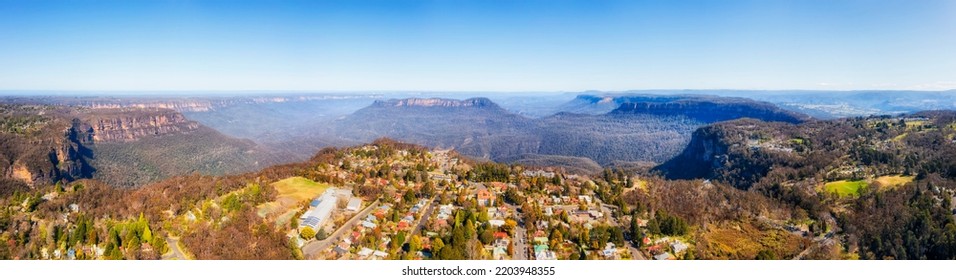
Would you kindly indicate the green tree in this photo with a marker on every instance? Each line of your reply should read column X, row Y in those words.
column 307, row 233
column 486, row 236
column 437, row 244
column 766, row 255
column 321, row 234
column 415, row 243
column 159, row 244
column 147, row 234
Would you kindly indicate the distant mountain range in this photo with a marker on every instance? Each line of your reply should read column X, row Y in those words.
column 640, row 129
column 222, row 134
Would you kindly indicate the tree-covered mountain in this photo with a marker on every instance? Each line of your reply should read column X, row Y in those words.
column 886, row 182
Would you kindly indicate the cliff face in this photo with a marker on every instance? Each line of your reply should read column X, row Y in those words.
column 181, row 106
column 61, row 152
column 710, row 111
column 706, row 152
column 436, row 102
column 63, row 148
column 125, row 126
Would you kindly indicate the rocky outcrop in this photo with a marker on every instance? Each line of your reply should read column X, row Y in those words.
column 126, row 125
column 61, row 152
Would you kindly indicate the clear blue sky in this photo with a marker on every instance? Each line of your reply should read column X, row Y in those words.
column 477, row 45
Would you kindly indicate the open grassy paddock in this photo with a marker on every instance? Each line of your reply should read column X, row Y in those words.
column 845, row 188
column 291, row 192
column 890, row 182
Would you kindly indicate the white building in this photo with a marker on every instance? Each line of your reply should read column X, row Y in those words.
column 354, row 204
column 319, row 214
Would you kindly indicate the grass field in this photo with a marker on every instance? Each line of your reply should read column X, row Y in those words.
column 291, row 192
column 889, row 182
column 845, row 188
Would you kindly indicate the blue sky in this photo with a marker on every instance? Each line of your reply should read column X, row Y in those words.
column 477, row 45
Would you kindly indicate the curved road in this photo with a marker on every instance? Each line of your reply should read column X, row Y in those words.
column 175, row 252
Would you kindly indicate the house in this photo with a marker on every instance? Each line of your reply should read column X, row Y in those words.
column 548, row 211
column 585, row 198
column 540, row 248
column 365, row 252
column 664, row 256
column 678, row 246
column 354, row 205
column 546, row 255
column 341, row 249
column 538, row 173
column 74, row 207
column 485, row 197
column 492, row 212
column 501, row 235
column 499, row 186
column 369, row 225
column 496, row 222
column 610, row 251
column 379, row 254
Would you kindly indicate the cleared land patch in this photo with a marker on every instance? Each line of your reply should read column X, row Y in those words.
column 291, row 191
column 845, row 188
column 742, row 240
column 890, row 182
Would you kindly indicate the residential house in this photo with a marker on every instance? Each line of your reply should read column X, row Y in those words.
column 664, row 256
column 485, row 197
column 678, row 246
column 379, row 254
column 546, row 255
column 365, row 252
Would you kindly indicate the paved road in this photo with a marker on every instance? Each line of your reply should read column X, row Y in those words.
column 175, row 252
column 636, row 254
column 426, row 214
column 521, row 236
column 314, row 247
column 826, row 239
column 521, row 241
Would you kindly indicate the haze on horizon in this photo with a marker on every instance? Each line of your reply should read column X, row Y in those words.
column 499, row 46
